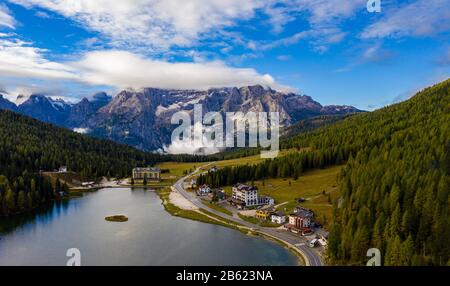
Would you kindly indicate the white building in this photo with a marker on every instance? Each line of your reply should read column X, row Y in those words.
column 153, row 174
column 248, row 195
column 204, row 190
column 278, row 218
column 62, row 169
column 266, row 201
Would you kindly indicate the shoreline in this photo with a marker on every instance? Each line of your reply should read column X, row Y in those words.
column 185, row 205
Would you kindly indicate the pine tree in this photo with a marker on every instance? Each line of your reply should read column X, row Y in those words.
column 406, row 252
column 10, row 202
column 21, row 201
column 393, row 252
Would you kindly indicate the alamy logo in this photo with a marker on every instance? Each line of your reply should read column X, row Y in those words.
column 75, row 257
column 374, row 6
column 208, row 131
column 375, row 257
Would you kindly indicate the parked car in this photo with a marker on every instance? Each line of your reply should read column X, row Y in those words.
column 313, row 243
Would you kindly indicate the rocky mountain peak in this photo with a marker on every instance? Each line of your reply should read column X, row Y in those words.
column 6, row 104
column 141, row 118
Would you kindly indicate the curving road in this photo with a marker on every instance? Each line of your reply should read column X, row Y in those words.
column 310, row 255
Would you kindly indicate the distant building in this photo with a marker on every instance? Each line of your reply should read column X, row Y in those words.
column 278, row 218
column 262, row 214
column 62, row 169
column 204, row 190
column 264, row 200
column 214, row 169
column 149, row 174
column 303, row 211
column 301, row 219
column 245, row 195
column 219, row 194
column 88, row 184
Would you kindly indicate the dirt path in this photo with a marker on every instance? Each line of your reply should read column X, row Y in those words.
column 181, row 202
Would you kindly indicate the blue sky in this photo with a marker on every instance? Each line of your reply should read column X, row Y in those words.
column 333, row 50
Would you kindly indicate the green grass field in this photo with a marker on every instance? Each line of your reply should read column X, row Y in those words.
column 217, row 207
column 310, row 186
column 177, row 169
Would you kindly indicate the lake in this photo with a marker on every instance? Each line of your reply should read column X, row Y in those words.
column 150, row 237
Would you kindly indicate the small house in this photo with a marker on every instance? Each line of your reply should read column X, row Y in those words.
column 262, row 214
column 278, row 218
column 219, row 194
column 265, row 200
column 204, row 190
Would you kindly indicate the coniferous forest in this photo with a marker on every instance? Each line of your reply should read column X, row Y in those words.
column 28, row 146
column 394, row 187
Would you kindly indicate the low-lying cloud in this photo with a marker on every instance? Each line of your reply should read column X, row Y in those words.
column 122, row 69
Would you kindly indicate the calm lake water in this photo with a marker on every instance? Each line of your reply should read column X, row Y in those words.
column 150, row 237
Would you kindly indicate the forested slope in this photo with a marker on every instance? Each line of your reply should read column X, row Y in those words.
column 395, row 186
column 28, row 146
column 395, row 192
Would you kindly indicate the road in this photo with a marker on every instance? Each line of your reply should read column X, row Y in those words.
column 311, row 257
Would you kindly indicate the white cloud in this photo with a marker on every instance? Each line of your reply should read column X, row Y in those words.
column 150, row 23
column 193, row 147
column 376, row 54
column 322, row 12
column 21, row 59
column 121, row 69
column 42, row 14
column 324, row 18
column 188, row 147
column 6, row 20
column 124, row 69
column 82, row 130
column 420, row 18
column 154, row 26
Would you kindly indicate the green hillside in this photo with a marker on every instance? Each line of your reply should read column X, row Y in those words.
column 28, row 146
column 395, row 191
column 394, row 187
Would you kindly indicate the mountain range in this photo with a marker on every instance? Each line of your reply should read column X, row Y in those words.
column 141, row 118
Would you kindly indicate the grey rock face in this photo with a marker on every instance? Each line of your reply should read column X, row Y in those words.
column 45, row 109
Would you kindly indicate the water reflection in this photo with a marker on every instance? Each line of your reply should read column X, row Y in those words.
column 150, row 237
